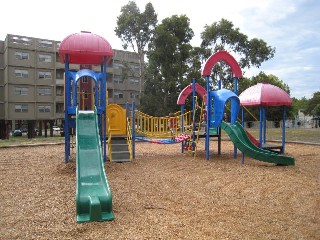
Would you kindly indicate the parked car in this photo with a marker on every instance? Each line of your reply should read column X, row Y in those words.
column 24, row 130
column 17, row 133
column 55, row 128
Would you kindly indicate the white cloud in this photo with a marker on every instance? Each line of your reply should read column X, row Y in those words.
column 292, row 26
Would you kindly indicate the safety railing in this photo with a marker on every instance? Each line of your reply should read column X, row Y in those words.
column 159, row 127
column 109, row 140
column 129, row 137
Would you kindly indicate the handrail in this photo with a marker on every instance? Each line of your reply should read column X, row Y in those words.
column 109, row 140
column 129, row 138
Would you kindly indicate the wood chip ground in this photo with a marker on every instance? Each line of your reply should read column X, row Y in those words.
column 164, row 194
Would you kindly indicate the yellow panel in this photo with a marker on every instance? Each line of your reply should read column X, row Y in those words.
column 117, row 119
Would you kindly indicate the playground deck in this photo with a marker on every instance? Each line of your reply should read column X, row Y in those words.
column 164, row 195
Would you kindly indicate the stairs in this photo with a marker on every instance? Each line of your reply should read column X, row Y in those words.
column 120, row 151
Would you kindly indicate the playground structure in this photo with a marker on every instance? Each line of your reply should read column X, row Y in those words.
column 122, row 127
column 93, row 195
column 214, row 104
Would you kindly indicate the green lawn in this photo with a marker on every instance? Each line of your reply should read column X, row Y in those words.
column 300, row 135
column 311, row 135
column 24, row 140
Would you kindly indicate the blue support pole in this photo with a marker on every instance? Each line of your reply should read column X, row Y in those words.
column 67, row 94
column 242, row 123
column 207, row 144
column 104, row 107
column 261, row 127
column 133, row 109
column 75, row 94
column 283, row 129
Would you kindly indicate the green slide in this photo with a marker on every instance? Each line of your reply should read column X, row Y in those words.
column 93, row 195
column 241, row 140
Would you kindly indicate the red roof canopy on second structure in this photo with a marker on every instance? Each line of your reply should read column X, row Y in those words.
column 85, row 48
column 265, row 94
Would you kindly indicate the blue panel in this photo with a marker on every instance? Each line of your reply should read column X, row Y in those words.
column 220, row 98
column 86, row 72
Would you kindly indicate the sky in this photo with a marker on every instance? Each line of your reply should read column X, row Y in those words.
column 291, row 26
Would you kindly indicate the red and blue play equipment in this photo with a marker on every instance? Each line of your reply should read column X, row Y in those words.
column 93, row 195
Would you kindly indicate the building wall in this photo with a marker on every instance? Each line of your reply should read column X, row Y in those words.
column 32, row 79
column 2, row 105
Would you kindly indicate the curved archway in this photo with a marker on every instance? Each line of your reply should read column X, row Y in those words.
column 227, row 58
column 187, row 90
column 85, row 72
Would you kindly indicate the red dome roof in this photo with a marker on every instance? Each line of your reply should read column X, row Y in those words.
column 85, row 48
column 265, row 94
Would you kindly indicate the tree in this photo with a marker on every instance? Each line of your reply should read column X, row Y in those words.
column 167, row 69
column 136, row 29
column 298, row 104
column 313, row 105
column 224, row 36
column 272, row 79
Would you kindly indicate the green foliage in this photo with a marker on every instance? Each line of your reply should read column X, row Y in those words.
column 223, row 35
column 313, row 105
column 136, row 29
column 167, row 71
column 298, row 104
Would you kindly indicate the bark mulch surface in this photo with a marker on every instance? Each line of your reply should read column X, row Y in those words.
column 164, row 194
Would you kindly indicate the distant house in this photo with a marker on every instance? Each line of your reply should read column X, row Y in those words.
column 305, row 121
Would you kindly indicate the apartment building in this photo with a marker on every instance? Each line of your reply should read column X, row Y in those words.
column 32, row 83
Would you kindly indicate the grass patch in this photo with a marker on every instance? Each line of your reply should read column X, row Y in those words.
column 24, row 140
column 311, row 135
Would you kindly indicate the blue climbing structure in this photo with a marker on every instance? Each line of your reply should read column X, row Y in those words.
column 86, row 49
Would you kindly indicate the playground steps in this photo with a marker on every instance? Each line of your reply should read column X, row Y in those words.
column 120, row 150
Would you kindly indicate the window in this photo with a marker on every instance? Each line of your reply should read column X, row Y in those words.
column 134, row 81
column 109, row 93
column 44, row 91
column 117, row 65
column 44, row 75
column 45, row 44
column 59, row 91
column 59, row 107
column 117, row 79
column 22, row 55
column 45, row 58
column 44, row 108
column 22, row 91
column 21, row 108
column 20, row 73
column 59, row 74
column 135, row 67
column 134, row 96
column 118, row 95
column 21, row 40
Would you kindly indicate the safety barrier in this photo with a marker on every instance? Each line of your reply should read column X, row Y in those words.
column 159, row 127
